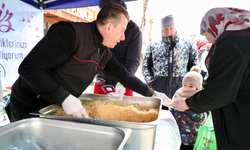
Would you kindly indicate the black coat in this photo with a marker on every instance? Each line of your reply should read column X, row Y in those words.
column 227, row 94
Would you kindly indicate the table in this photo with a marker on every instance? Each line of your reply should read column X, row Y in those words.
column 167, row 134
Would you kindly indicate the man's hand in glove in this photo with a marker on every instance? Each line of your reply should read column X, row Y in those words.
column 119, row 91
column 161, row 96
column 73, row 106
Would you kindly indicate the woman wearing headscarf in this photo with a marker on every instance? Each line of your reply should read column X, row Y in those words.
column 227, row 90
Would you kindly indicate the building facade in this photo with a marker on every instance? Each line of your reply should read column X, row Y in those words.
column 86, row 14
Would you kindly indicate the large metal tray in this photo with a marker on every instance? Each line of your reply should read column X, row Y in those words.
column 51, row 134
column 143, row 134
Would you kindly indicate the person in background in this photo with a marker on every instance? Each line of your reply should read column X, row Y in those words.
column 166, row 61
column 127, row 52
column 192, row 36
column 202, row 54
column 226, row 91
column 188, row 121
column 62, row 65
column 201, row 44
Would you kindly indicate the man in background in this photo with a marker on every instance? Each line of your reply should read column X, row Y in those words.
column 127, row 52
column 166, row 61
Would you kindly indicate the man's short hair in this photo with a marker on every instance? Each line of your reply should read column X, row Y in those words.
column 120, row 2
column 111, row 11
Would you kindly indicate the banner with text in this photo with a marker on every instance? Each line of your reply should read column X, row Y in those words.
column 21, row 27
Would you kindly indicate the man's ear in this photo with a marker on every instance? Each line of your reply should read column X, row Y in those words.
column 108, row 27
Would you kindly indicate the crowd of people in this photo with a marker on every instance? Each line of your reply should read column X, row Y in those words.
column 202, row 76
column 82, row 52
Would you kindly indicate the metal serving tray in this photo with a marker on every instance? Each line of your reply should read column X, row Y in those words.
column 143, row 134
column 51, row 134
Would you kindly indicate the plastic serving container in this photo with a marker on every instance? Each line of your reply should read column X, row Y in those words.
column 49, row 134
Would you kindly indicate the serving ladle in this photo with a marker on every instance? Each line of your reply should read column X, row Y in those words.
column 30, row 139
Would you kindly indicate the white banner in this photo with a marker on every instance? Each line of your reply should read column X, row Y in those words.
column 21, row 27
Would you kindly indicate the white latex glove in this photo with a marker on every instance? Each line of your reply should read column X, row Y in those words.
column 119, row 90
column 73, row 106
column 162, row 96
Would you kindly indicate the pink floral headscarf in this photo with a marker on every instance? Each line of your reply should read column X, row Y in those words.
column 223, row 23
column 218, row 20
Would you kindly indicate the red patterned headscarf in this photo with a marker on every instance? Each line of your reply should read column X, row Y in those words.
column 223, row 23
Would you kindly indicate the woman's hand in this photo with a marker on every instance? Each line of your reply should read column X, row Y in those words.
column 179, row 105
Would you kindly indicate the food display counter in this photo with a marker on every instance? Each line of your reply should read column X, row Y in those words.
column 162, row 133
column 143, row 134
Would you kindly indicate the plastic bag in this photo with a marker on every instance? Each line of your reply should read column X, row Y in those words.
column 206, row 137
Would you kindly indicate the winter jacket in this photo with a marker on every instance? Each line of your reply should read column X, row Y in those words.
column 65, row 62
column 188, row 121
column 202, row 57
column 165, row 63
column 226, row 93
column 127, row 52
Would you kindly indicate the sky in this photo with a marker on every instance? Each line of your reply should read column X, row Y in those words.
column 188, row 14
